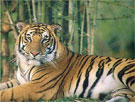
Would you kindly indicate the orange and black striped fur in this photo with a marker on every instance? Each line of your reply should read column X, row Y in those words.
column 48, row 70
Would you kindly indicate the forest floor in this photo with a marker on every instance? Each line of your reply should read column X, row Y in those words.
column 72, row 99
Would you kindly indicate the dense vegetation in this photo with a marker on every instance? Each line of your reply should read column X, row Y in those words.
column 100, row 27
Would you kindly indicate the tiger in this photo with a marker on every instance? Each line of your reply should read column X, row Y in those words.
column 48, row 70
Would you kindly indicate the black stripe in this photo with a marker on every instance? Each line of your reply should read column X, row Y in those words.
column 98, row 75
column 25, row 37
column 114, row 66
column 132, row 82
column 82, row 59
column 117, row 63
column 52, row 80
column 48, row 40
column 123, row 94
column 120, row 90
column 41, row 76
column 96, row 81
column 7, row 85
column 54, row 43
column 19, row 44
column 30, row 73
column 132, row 61
column 85, row 84
column 131, row 71
column 39, row 70
column 70, row 83
column 100, row 66
column 86, row 81
column 110, row 71
column 11, row 84
column 50, row 87
column 108, row 60
column 12, row 95
column 55, row 55
column 49, row 48
column 22, row 75
column 78, row 60
column 49, row 35
column 70, row 58
column 127, row 59
column 77, row 84
column 42, row 41
column 130, row 79
column 83, row 64
column 122, row 72
column 92, row 61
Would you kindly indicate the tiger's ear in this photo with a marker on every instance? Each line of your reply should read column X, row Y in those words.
column 21, row 25
column 56, row 28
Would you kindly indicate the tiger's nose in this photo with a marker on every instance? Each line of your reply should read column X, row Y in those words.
column 34, row 53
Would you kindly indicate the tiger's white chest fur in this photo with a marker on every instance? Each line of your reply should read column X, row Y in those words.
column 23, row 73
column 22, row 79
column 23, row 76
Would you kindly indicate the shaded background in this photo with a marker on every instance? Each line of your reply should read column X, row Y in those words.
column 99, row 27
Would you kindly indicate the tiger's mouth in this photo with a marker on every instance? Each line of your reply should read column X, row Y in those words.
column 28, row 60
column 35, row 62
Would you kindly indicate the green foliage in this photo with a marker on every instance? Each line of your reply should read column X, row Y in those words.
column 72, row 99
column 117, row 32
column 113, row 30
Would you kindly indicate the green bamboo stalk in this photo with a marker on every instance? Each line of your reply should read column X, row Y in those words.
column 94, row 28
column 76, row 30
column 88, row 25
column 70, row 25
column 82, row 31
column 39, row 11
column 34, row 11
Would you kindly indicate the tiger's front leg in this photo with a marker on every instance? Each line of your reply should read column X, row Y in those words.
column 8, row 84
column 24, row 92
column 122, row 95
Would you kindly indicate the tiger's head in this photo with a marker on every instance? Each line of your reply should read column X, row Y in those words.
column 37, row 43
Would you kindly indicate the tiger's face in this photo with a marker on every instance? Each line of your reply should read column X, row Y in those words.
column 37, row 43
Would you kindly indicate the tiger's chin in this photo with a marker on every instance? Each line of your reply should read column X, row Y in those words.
column 34, row 62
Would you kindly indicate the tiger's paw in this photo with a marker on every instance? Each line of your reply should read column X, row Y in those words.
column 118, row 99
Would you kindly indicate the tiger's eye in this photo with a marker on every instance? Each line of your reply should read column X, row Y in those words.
column 28, row 39
column 46, row 36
